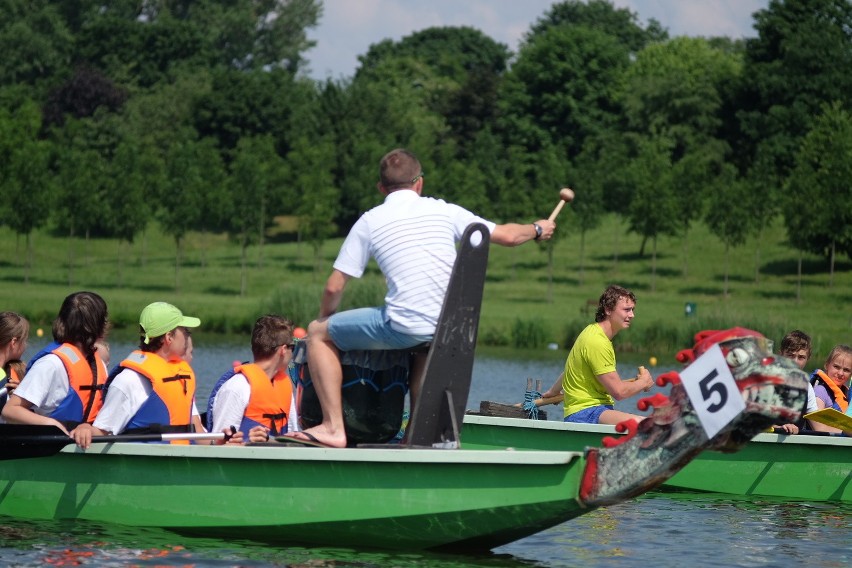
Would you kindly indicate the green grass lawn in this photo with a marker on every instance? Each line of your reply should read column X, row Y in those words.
column 524, row 305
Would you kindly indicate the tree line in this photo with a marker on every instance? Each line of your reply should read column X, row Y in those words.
column 198, row 114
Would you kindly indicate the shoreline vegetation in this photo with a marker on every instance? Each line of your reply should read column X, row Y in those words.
column 527, row 304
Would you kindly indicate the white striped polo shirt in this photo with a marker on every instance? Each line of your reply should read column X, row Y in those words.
column 413, row 240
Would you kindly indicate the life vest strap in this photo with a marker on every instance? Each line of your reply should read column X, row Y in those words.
column 179, row 377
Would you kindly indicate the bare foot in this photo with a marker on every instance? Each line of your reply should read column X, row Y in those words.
column 321, row 436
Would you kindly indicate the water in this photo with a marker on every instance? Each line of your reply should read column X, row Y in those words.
column 662, row 530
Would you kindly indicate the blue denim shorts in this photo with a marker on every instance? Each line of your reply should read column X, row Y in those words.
column 369, row 329
column 589, row 415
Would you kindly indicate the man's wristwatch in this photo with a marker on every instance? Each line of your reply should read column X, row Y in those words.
column 537, row 228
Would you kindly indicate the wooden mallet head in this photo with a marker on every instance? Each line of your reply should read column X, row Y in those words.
column 566, row 195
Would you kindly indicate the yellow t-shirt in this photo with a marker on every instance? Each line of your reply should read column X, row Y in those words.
column 591, row 355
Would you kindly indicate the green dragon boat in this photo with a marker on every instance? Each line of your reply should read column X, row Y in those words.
column 802, row 467
column 400, row 496
column 385, row 498
column 429, row 492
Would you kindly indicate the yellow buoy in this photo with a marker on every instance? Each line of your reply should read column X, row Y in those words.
column 653, row 361
column 39, row 332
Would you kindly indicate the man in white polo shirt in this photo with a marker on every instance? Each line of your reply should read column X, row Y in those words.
column 413, row 239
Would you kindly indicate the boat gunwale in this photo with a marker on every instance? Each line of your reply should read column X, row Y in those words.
column 764, row 437
column 365, row 455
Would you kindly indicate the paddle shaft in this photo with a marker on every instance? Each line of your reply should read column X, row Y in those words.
column 56, row 439
column 21, row 441
column 545, row 401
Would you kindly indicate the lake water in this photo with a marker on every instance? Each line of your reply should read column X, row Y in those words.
column 659, row 529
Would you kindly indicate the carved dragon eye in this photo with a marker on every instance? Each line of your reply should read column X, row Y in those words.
column 737, row 357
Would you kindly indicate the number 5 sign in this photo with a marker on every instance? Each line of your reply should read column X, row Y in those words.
column 712, row 391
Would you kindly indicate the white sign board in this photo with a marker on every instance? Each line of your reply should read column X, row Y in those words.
column 712, row 391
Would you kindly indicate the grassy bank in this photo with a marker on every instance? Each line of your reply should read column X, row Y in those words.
column 524, row 304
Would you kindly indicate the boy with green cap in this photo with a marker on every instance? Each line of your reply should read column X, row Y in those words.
column 154, row 388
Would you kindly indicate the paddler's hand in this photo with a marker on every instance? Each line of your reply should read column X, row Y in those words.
column 232, row 436
column 645, row 379
column 82, row 435
column 259, row 434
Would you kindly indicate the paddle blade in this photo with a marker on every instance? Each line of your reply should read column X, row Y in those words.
column 22, row 441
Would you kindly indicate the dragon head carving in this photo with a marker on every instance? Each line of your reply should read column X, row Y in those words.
column 732, row 388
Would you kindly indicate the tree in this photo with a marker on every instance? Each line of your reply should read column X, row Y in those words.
column 145, row 43
column 254, row 171
column 726, row 216
column 83, row 93
column 468, row 63
column 35, row 42
column 654, row 204
column 589, row 187
column 563, row 88
column 81, row 176
column 451, row 52
column 25, row 179
column 181, row 202
column 676, row 90
column 819, row 189
column 136, row 179
column 251, row 104
column 798, row 62
column 601, row 15
column 318, row 198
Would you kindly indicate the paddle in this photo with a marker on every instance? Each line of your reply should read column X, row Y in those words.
column 831, row 417
column 560, row 397
column 543, row 401
column 20, row 441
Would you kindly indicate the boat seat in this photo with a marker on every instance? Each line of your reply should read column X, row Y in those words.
column 436, row 419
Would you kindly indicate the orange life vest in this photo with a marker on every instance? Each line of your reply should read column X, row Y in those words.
column 86, row 393
column 269, row 401
column 169, row 408
column 841, row 397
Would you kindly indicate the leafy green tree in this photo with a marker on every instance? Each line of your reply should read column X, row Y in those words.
column 318, row 197
column 180, row 205
column 676, row 90
column 603, row 180
column 251, row 104
column 452, row 52
column 563, row 88
column 254, row 170
column 216, row 205
column 654, row 204
column 726, row 216
column 799, row 61
column 601, row 15
column 145, row 43
column 81, row 175
column 35, row 41
column 819, row 189
column 136, row 179
column 25, row 179
column 588, row 206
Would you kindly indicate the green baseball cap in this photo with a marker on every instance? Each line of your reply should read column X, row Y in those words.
column 160, row 318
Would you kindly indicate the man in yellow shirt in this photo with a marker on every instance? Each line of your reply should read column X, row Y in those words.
column 590, row 382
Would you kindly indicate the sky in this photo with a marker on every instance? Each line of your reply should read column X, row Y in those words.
column 347, row 28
